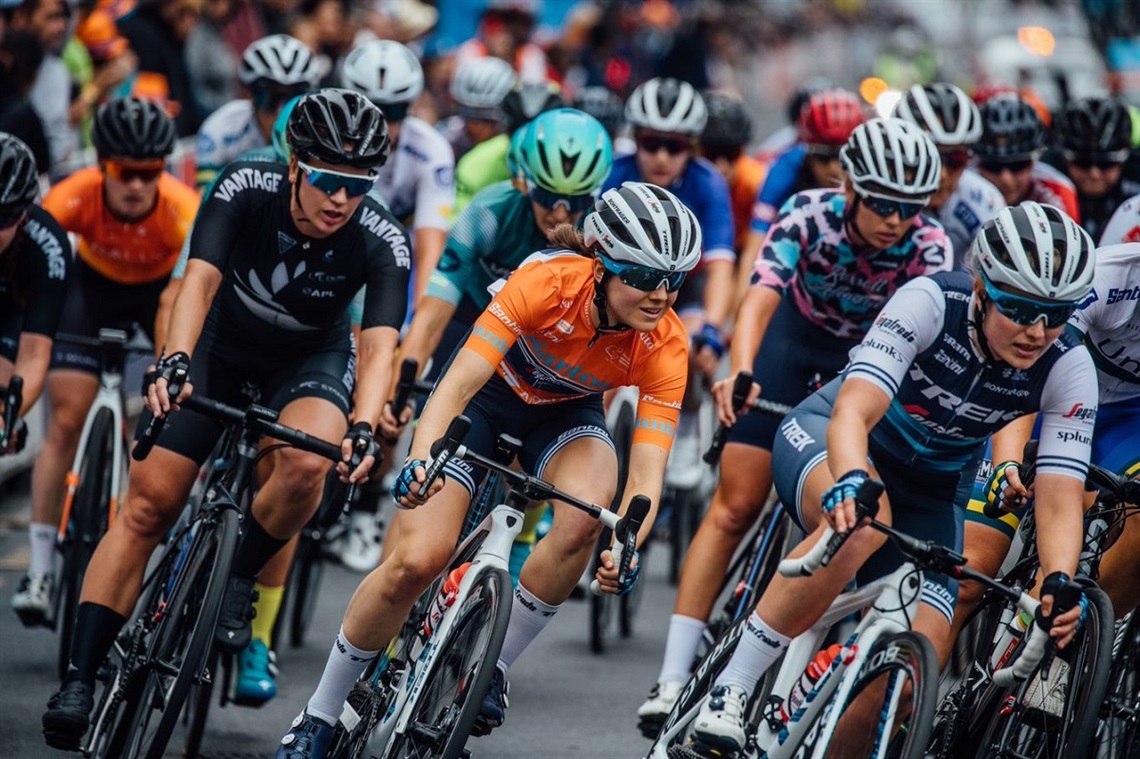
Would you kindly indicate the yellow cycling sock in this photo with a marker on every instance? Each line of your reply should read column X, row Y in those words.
column 268, row 605
column 530, row 524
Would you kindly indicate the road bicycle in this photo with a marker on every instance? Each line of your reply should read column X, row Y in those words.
column 166, row 648
column 882, row 659
column 421, row 697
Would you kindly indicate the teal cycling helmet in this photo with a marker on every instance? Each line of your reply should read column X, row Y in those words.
column 565, row 151
column 280, row 126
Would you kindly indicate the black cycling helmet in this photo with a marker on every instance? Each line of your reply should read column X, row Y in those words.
column 133, row 128
column 729, row 124
column 340, row 127
column 18, row 180
column 605, row 106
column 1011, row 128
column 528, row 99
column 1095, row 126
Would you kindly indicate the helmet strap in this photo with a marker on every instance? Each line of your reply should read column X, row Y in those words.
column 854, row 235
column 977, row 320
column 604, row 326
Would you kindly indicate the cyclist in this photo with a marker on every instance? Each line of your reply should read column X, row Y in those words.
column 898, row 413
column 1124, row 226
column 418, row 181
column 830, row 263
column 964, row 201
column 1013, row 137
column 1095, row 136
column 35, row 258
column 723, row 141
column 273, row 70
column 609, row 307
column 130, row 217
column 601, row 103
column 278, row 254
column 478, row 88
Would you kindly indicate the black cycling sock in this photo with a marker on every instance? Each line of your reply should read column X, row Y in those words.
column 96, row 627
column 257, row 548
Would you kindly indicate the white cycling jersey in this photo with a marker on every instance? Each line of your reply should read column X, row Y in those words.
column 419, row 178
column 226, row 134
column 1110, row 321
column 1124, row 226
column 974, row 202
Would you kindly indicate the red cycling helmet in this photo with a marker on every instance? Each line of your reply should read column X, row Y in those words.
column 829, row 117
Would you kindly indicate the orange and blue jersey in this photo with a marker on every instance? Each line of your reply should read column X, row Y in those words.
column 746, row 184
column 539, row 334
column 127, row 252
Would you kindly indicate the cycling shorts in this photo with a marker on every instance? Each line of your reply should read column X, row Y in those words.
column 922, row 503
column 94, row 302
column 327, row 373
column 544, row 430
column 1115, row 447
column 793, row 351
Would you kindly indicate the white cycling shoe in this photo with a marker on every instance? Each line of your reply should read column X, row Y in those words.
column 720, row 723
column 652, row 714
column 360, row 551
column 32, row 601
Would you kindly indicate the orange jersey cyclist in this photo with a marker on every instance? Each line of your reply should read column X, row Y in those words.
column 563, row 329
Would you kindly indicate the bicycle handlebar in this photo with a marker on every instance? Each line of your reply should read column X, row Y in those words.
column 1038, row 649
column 820, row 555
column 741, row 387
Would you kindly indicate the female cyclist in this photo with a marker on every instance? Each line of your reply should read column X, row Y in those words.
column 562, row 330
column 828, row 266
column 951, row 359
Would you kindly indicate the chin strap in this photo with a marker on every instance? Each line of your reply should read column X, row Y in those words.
column 976, row 321
column 604, row 327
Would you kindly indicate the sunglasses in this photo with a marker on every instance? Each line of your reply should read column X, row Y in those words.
column 955, row 159
column 671, row 145
column 1013, row 167
column 1027, row 311
column 1102, row 161
column 271, row 100
column 823, row 152
column 394, row 112
column 330, row 182
column 644, row 278
column 886, row 208
column 716, row 152
column 128, row 172
column 551, row 200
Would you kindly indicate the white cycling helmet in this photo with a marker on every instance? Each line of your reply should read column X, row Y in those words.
column 482, row 83
column 641, row 223
column 893, row 159
column 943, row 111
column 667, row 105
column 279, row 59
column 384, row 71
column 1038, row 249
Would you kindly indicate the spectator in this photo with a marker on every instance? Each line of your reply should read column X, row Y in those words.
column 50, row 96
column 504, row 32
column 20, row 57
column 323, row 26
column 211, row 62
column 157, row 32
column 111, row 65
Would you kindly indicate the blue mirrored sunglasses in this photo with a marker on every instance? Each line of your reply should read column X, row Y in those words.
column 551, row 200
column 329, row 182
column 884, row 208
column 1026, row 311
column 644, row 278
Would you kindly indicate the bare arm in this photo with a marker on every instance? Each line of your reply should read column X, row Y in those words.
column 646, row 475
column 718, row 291
column 745, row 262
column 858, row 408
column 465, row 377
column 428, row 250
column 752, row 320
column 32, row 359
column 165, row 308
column 195, row 297
column 432, row 316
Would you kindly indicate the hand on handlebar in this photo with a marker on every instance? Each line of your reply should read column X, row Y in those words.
column 838, row 506
column 607, row 574
column 359, row 453
column 1004, row 489
column 1067, row 624
column 722, row 396
column 171, row 372
column 406, row 489
column 16, row 439
column 392, row 426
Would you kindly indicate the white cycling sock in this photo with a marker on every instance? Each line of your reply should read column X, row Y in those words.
column 759, row 647
column 41, row 537
column 680, row 648
column 345, row 665
column 528, row 617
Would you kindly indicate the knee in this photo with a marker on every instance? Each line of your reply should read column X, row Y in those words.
column 65, row 425
column 969, row 593
column 733, row 510
column 859, row 548
column 146, row 516
column 301, row 474
column 411, row 571
column 576, row 535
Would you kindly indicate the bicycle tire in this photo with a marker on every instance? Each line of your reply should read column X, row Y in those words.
column 309, row 568
column 466, row 656
column 1032, row 731
column 1118, row 733
column 629, row 604
column 601, row 604
column 198, row 708
column 180, row 649
column 911, row 653
column 90, row 511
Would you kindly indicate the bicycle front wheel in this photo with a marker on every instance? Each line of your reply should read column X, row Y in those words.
column 1118, row 733
column 90, row 511
column 874, row 720
column 1057, row 716
column 452, row 692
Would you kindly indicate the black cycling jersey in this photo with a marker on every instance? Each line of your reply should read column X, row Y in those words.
column 33, row 279
column 282, row 290
column 1095, row 212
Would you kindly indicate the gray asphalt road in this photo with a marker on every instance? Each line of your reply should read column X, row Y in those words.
column 565, row 701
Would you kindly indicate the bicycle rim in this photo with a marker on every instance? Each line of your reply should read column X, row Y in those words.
column 89, row 513
column 179, row 644
column 1118, row 733
column 309, row 569
column 198, row 707
column 631, row 601
column 453, row 690
column 1021, row 729
column 601, row 604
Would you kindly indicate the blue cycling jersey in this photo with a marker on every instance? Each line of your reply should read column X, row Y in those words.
column 782, row 182
column 704, row 191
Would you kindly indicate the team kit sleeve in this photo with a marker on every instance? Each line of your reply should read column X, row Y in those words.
column 1124, row 226
column 50, row 265
column 661, row 387
column 774, row 191
column 67, row 202
column 934, row 247
column 513, row 312
column 220, row 220
column 386, row 283
column 909, row 323
column 718, row 228
column 1068, row 415
column 476, row 227
column 435, row 194
column 776, row 263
